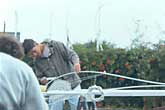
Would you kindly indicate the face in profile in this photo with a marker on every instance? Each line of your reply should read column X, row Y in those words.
column 35, row 52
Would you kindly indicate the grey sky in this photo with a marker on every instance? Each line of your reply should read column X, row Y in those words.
column 117, row 19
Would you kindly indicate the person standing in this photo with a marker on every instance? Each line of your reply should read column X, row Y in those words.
column 54, row 59
column 82, row 105
column 19, row 87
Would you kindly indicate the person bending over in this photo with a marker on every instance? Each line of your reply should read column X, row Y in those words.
column 54, row 59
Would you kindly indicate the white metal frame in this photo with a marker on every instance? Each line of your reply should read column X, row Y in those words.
column 112, row 91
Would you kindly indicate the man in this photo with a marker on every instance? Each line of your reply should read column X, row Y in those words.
column 19, row 87
column 54, row 59
column 82, row 105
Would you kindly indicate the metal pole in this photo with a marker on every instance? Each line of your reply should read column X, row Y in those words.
column 16, row 23
column 4, row 28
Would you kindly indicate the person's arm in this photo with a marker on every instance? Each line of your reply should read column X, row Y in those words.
column 68, row 54
column 73, row 57
column 34, row 99
column 38, row 72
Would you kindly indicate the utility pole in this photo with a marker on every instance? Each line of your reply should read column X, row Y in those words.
column 4, row 27
column 68, row 42
column 16, row 24
column 98, row 34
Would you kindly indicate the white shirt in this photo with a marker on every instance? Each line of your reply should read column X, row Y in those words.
column 19, row 88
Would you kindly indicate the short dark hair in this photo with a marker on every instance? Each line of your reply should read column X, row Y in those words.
column 28, row 44
column 11, row 46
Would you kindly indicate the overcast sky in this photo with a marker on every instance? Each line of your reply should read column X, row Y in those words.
column 41, row 19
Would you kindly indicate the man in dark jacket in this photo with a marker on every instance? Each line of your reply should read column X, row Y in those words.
column 54, row 59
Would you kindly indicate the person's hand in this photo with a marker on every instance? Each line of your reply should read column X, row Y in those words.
column 43, row 80
column 77, row 67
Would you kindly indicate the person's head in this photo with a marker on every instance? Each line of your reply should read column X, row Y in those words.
column 31, row 48
column 11, row 46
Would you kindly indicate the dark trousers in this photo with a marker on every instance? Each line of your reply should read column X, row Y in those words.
column 91, row 105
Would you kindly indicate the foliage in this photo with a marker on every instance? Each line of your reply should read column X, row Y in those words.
column 143, row 60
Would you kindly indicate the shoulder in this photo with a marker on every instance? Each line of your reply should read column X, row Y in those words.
column 7, row 61
column 54, row 44
column 20, row 70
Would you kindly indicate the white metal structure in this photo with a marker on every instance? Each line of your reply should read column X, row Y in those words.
column 97, row 90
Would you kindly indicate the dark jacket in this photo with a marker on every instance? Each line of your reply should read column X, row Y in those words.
column 60, row 61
